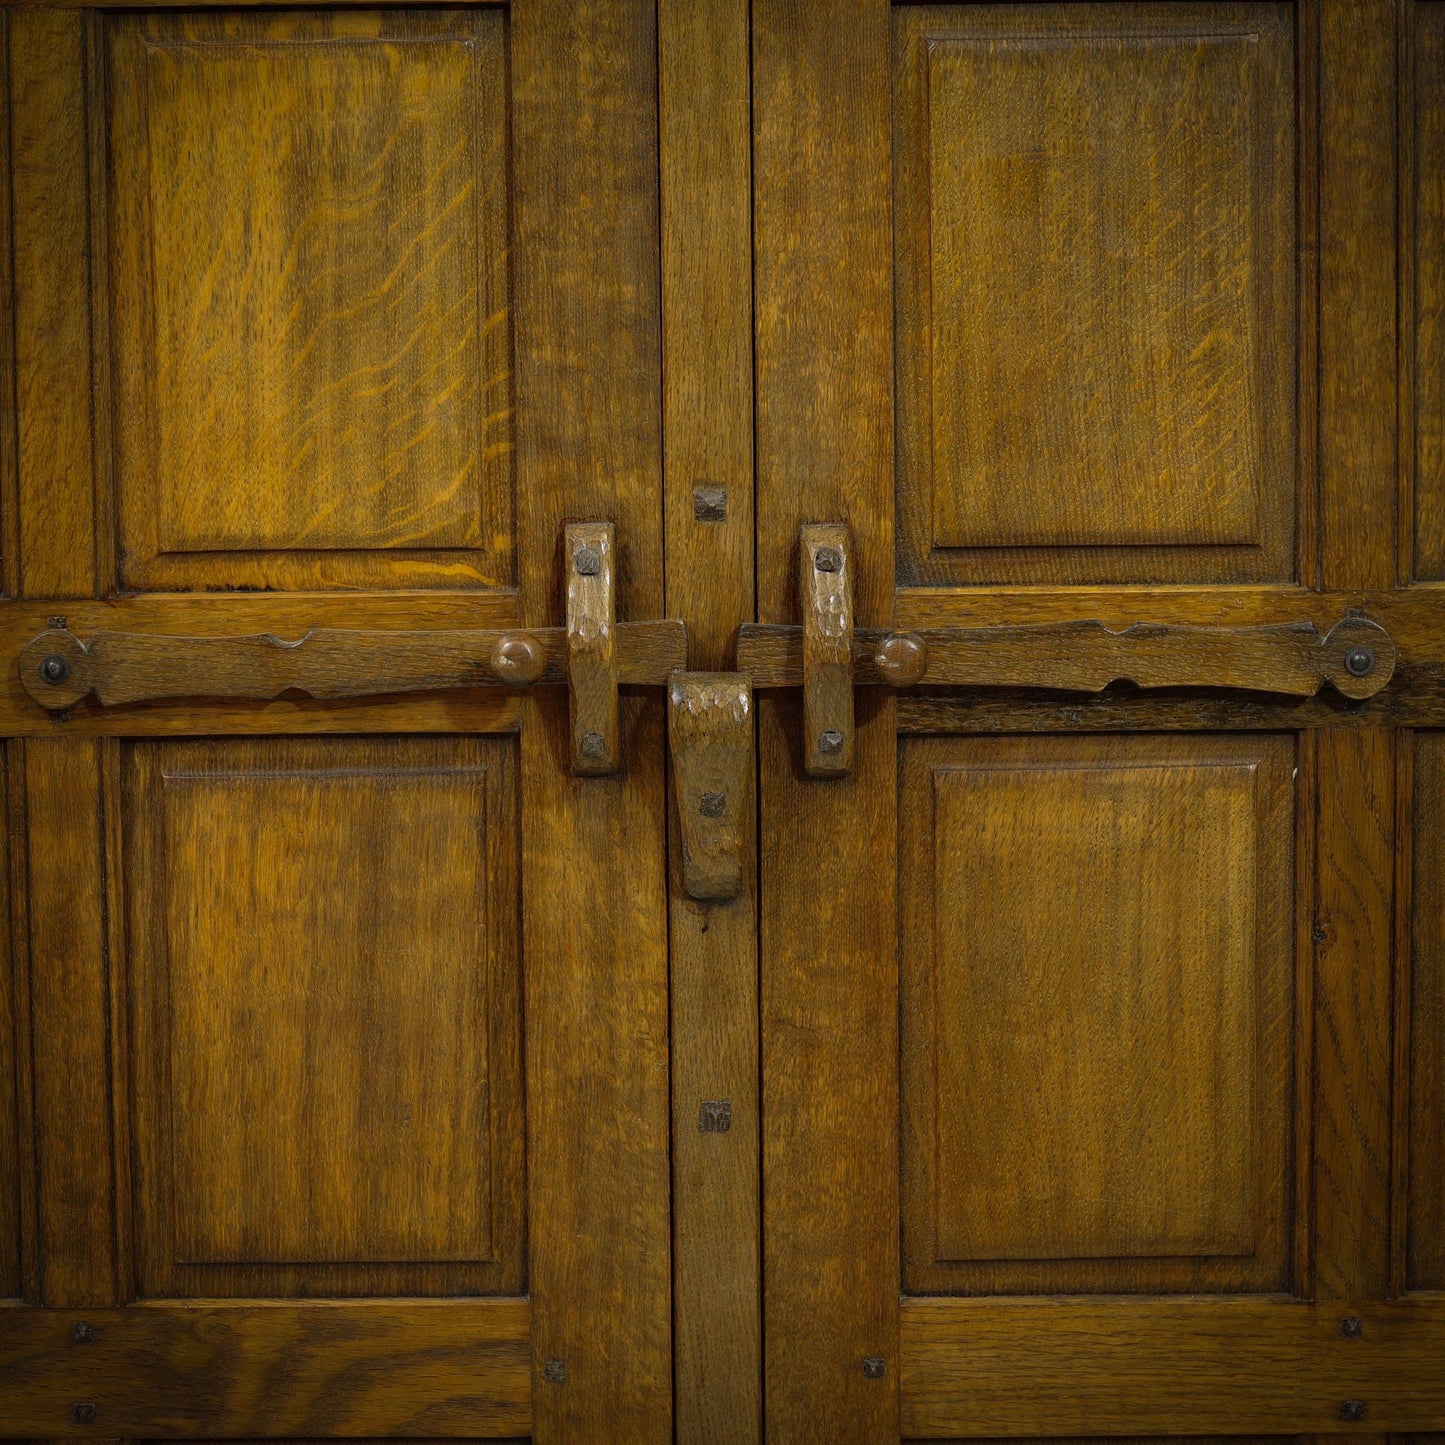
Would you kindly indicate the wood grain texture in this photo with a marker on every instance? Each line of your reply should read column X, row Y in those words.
column 710, row 744
column 9, row 450
column 825, row 594
column 70, row 1020
column 1353, row 1010
column 829, row 1039
column 1425, row 210
column 585, row 218
column 823, row 293
column 1095, row 270
column 1356, row 656
column 329, row 663
column 1065, row 1128
column 312, row 346
column 12, row 1279
column 1144, row 1366
column 323, row 1369
column 282, row 615
column 705, row 133
column 1424, row 1238
column 587, row 554
column 326, row 994
column 51, row 241
column 824, row 346
column 1358, row 220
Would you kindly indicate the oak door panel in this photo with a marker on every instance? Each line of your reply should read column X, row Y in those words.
column 1095, row 273
column 326, row 998
column 309, row 257
column 1428, row 121
column 1425, row 1189
column 1097, row 963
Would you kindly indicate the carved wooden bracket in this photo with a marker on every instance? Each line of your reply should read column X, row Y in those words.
column 1357, row 656
column 825, row 594
column 710, row 732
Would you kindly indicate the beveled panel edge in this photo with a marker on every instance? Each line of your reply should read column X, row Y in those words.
column 1299, row 284
column 417, row 568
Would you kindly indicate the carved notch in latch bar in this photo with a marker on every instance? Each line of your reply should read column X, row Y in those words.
column 825, row 594
column 710, row 732
column 591, row 651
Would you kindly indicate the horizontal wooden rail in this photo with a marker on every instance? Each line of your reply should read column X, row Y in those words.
column 59, row 668
column 320, row 1368
column 1042, row 1367
column 1292, row 659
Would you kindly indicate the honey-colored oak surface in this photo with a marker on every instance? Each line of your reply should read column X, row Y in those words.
column 1109, row 919
column 1095, row 255
column 292, row 1051
column 312, row 379
column 1424, row 1058
column 1425, row 208
column 1357, row 656
column 824, row 340
column 710, row 739
column 1152, row 1366
column 705, row 127
column 594, row 852
column 320, row 1369
column 58, row 669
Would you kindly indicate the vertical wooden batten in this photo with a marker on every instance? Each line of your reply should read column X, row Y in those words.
column 594, row 905
column 70, row 1019
column 49, row 170
column 707, row 314
column 824, row 339
column 1358, row 433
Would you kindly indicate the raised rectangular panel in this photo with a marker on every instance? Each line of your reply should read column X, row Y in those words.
column 1429, row 139
column 1096, row 320
column 308, row 224
column 1098, row 979
column 1425, row 1194
column 328, row 1039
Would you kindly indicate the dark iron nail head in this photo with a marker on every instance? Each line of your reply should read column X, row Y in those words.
column 592, row 745
column 1352, row 1327
column 830, row 742
column 1352, row 1409
column 55, row 669
column 710, row 504
column 715, row 1116
column 873, row 1368
column 711, row 805
column 1359, row 661
column 588, row 561
column 555, row 1372
column 828, row 559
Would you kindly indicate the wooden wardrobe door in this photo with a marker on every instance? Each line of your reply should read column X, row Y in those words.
column 340, row 1028
column 1100, row 1079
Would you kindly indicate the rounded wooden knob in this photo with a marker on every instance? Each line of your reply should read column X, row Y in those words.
column 517, row 659
column 55, row 670
column 901, row 659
